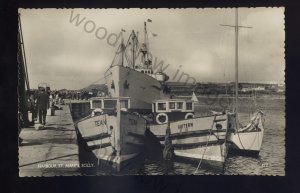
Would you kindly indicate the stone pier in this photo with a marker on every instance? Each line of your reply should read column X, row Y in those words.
column 52, row 150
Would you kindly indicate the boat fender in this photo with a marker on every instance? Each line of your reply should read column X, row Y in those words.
column 97, row 111
column 124, row 109
column 160, row 115
column 189, row 116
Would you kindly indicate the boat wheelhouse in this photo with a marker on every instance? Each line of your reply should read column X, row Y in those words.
column 172, row 110
column 100, row 105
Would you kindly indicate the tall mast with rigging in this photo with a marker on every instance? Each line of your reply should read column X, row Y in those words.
column 133, row 49
column 146, row 41
column 122, row 48
column 236, row 27
column 236, row 59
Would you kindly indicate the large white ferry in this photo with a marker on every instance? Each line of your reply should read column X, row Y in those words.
column 115, row 129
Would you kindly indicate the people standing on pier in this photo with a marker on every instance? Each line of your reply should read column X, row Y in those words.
column 42, row 104
column 31, row 106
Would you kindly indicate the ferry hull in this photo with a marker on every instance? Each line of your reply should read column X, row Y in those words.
column 198, row 139
column 141, row 88
column 113, row 141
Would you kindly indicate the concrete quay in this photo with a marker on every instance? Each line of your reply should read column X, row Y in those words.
column 52, row 150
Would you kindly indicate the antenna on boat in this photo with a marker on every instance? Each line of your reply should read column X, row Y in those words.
column 123, row 46
column 236, row 26
column 133, row 47
column 146, row 41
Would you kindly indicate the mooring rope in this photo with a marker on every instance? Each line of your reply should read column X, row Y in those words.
column 200, row 162
column 98, row 159
column 239, row 132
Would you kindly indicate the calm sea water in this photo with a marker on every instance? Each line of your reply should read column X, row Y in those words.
column 271, row 160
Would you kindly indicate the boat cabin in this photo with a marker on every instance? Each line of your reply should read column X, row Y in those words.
column 172, row 110
column 144, row 70
column 108, row 104
column 160, row 76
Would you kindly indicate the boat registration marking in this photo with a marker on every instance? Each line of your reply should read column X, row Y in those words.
column 185, row 125
column 100, row 122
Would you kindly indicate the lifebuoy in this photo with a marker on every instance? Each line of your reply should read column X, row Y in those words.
column 189, row 116
column 158, row 117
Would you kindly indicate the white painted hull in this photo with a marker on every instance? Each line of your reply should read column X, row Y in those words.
column 141, row 88
column 249, row 141
column 111, row 142
column 197, row 139
column 246, row 142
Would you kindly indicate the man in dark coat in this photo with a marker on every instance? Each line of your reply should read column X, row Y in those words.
column 42, row 104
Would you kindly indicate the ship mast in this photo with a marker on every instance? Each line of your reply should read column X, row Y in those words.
column 236, row 60
column 122, row 48
column 133, row 51
column 236, row 27
column 146, row 40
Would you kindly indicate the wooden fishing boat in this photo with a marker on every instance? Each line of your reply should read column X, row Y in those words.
column 111, row 132
column 247, row 140
column 200, row 139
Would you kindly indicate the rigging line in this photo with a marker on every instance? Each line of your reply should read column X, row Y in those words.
column 100, row 145
column 108, row 132
column 117, row 53
column 238, row 134
column 128, row 41
column 200, row 162
column 128, row 60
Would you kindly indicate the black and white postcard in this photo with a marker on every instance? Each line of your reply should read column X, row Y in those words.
column 151, row 91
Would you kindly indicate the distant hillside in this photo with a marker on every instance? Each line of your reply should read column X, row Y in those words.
column 98, row 87
column 182, row 89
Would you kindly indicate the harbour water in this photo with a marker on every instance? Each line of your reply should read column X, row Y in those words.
column 271, row 160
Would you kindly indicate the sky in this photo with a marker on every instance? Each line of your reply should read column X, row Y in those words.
column 72, row 48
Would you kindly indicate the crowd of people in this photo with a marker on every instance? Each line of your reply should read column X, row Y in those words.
column 74, row 95
column 38, row 101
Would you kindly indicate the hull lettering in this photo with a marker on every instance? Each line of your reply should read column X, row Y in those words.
column 185, row 125
column 100, row 122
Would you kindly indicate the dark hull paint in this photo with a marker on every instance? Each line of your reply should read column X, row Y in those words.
column 242, row 152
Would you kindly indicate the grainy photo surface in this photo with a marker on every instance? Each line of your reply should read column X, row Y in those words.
column 151, row 91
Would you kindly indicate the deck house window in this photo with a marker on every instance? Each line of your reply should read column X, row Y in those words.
column 97, row 104
column 189, row 106
column 161, row 106
column 124, row 104
column 110, row 104
column 172, row 105
column 179, row 105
